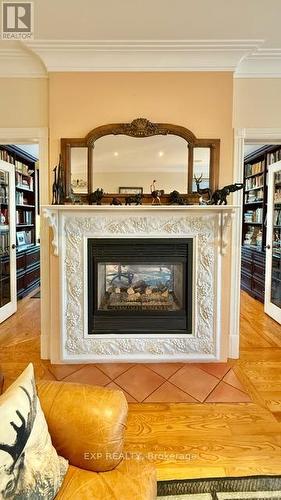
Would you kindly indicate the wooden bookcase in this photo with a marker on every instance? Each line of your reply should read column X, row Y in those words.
column 256, row 167
column 26, row 217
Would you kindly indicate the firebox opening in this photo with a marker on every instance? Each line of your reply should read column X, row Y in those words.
column 140, row 285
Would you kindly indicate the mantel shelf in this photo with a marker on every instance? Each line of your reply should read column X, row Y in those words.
column 226, row 212
column 154, row 208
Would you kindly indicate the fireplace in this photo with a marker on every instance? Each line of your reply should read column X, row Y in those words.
column 140, row 285
column 89, row 329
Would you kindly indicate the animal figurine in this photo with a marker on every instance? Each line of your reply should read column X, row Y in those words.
column 219, row 196
column 156, row 194
column 72, row 198
column 200, row 191
column 135, row 198
column 115, row 201
column 176, row 198
column 54, row 188
column 58, row 185
column 96, row 197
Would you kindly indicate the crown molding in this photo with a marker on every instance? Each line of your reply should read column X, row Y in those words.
column 142, row 55
column 18, row 62
column 35, row 58
column 262, row 63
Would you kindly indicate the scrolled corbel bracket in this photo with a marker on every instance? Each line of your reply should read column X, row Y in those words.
column 52, row 218
column 226, row 221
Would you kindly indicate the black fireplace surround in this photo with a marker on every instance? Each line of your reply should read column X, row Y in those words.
column 140, row 285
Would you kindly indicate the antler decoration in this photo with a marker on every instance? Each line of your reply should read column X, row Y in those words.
column 198, row 179
column 23, row 430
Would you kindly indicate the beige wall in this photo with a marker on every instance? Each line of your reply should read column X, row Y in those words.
column 202, row 102
column 257, row 103
column 24, row 102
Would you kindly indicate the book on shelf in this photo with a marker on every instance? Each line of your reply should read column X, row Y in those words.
column 253, row 237
column 254, row 196
column 254, row 215
column 22, row 181
column 274, row 157
column 5, row 156
column 254, row 169
column 28, row 237
column 254, row 182
column 19, row 198
column 277, row 217
column 24, row 217
column 4, row 240
column 277, row 195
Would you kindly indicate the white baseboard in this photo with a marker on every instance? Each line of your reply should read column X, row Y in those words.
column 45, row 347
column 233, row 347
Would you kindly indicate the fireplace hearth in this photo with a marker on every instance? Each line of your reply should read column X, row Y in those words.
column 140, row 285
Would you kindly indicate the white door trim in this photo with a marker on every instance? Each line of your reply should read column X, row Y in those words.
column 270, row 308
column 242, row 135
column 40, row 135
column 10, row 308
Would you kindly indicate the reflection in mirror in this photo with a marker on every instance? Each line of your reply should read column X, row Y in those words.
column 79, row 176
column 124, row 161
column 201, row 167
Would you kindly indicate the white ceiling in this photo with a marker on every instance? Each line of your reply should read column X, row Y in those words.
column 242, row 36
column 158, row 20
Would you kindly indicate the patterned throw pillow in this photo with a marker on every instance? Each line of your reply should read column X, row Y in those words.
column 29, row 465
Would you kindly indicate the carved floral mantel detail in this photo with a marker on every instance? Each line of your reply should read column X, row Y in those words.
column 207, row 229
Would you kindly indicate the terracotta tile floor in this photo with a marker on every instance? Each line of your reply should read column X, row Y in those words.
column 146, row 383
column 165, row 382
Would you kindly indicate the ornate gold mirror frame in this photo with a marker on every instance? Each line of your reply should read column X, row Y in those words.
column 140, row 127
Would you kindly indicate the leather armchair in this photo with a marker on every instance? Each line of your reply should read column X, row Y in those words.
column 87, row 426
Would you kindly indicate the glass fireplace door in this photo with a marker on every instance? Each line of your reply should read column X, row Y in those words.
column 8, row 300
column 140, row 285
column 273, row 247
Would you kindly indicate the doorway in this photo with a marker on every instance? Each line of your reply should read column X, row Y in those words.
column 261, row 227
column 29, row 136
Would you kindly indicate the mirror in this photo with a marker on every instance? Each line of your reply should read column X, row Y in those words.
column 120, row 162
column 201, row 167
column 79, row 170
column 125, row 158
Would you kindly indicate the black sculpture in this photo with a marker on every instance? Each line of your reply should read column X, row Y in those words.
column 115, row 201
column 58, row 185
column 219, row 196
column 200, row 191
column 136, row 199
column 176, row 198
column 96, row 197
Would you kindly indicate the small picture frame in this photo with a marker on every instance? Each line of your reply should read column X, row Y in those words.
column 130, row 190
column 21, row 238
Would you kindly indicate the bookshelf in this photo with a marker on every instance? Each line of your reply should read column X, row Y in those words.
column 256, row 168
column 26, row 216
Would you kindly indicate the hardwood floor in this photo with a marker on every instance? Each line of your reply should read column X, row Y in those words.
column 189, row 440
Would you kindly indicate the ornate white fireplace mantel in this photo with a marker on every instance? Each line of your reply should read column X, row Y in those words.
column 208, row 226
